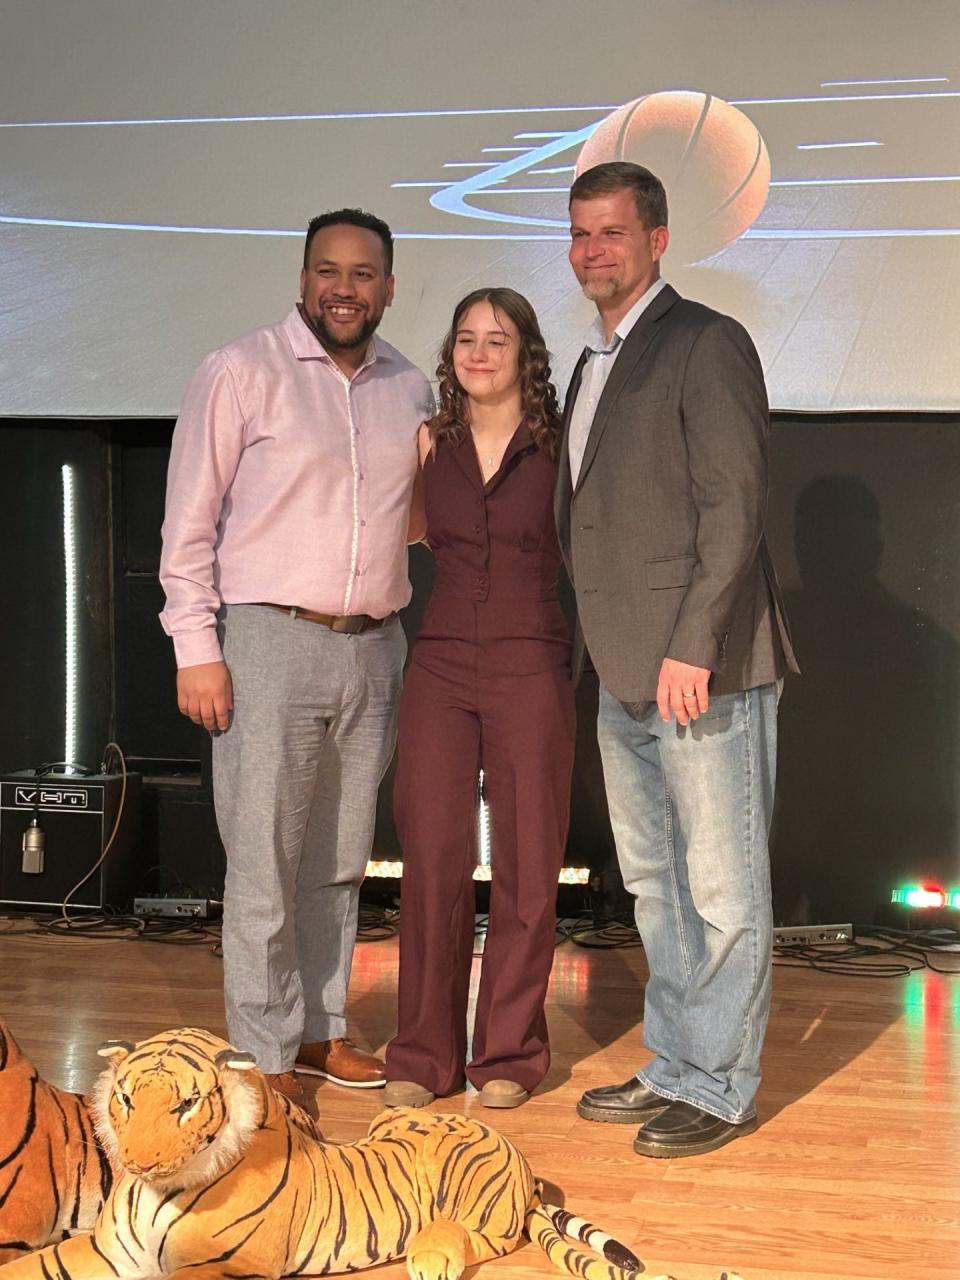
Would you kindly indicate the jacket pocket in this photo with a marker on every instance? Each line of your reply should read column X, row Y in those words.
column 675, row 571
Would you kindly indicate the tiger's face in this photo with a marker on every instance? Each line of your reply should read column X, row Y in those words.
column 175, row 1108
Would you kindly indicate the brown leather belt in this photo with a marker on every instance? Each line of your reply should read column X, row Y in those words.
column 351, row 624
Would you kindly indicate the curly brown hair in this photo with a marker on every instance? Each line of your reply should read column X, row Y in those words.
column 537, row 393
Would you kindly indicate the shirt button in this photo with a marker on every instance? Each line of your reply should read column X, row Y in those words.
column 363, row 523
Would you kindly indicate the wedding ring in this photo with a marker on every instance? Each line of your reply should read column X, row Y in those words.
column 691, row 694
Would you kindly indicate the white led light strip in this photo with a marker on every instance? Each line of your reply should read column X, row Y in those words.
column 483, row 833
column 379, row 870
column 70, row 745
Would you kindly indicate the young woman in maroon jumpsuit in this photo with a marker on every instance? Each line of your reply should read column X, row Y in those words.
column 488, row 688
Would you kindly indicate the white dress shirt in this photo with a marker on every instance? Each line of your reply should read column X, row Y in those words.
column 596, row 371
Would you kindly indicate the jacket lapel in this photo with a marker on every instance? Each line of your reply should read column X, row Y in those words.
column 634, row 348
column 562, row 493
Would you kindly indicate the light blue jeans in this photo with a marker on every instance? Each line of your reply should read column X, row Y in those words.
column 690, row 809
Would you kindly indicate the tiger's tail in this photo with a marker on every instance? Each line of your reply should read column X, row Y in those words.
column 557, row 1232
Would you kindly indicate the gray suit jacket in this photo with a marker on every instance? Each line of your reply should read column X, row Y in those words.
column 663, row 535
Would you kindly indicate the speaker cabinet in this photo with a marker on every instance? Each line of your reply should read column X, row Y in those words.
column 77, row 815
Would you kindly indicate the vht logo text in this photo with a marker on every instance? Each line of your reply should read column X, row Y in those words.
column 51, row 797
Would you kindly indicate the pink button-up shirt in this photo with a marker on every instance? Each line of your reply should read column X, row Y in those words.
column 289, row 483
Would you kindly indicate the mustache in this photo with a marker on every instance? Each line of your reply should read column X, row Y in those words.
column 333, row 342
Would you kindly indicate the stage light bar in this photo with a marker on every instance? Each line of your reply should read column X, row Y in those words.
column 71, row 578
column 926, row 896
column 380, row 870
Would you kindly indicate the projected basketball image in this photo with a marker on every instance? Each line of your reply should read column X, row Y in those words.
column 824, row 213
column 709, row 156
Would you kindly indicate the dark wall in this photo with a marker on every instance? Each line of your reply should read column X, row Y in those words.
column 865, row 525
column 147, row 715
column 865, row 529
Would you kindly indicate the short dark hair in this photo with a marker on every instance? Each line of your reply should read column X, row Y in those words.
column 351, row 218
column 621, row 175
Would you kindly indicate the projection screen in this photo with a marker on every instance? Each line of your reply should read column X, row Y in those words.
column 159, row 162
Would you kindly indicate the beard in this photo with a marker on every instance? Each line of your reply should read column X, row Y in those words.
column 341, row 342
column 601, row 290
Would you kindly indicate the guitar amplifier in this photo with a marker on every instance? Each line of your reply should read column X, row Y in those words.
column 76, row 814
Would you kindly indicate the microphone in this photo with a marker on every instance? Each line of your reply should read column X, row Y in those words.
column 33, row 845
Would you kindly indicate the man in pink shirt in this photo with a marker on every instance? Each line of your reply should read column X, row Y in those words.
column 284, row 563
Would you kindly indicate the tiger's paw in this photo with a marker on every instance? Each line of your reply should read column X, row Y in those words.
column 438, row 1251
column 431, row 1264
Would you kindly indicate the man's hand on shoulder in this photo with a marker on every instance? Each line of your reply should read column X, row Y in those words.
column 205, row 694
column 683, row 690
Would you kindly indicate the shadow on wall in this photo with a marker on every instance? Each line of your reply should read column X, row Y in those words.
column 868, row 736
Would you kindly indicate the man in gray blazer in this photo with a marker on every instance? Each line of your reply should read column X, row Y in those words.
column 661, row 504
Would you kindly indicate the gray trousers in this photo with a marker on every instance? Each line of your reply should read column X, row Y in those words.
column 295, row 785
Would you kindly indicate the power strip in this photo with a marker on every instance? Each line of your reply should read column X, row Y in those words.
column 173, row 908
column 812, row 935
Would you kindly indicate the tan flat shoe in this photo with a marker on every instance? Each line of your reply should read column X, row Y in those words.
column 406, row 1093
column 503, row 1093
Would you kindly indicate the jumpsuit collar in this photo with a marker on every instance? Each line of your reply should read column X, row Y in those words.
column 466, row 455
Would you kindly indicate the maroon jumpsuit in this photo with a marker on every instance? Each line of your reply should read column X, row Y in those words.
column 488, row 688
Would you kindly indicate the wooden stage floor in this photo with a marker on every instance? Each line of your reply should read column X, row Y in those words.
column 854, row 1171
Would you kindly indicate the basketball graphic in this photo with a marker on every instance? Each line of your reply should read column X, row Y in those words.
column 709, row 156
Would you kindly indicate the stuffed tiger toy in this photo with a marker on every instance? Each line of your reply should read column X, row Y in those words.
column 54, row 1175
column 217, row 1182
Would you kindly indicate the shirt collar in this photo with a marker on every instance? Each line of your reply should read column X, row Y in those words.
column 597, row 337
column 307, row 346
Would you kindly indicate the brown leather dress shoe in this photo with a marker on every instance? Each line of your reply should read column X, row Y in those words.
column 343, row 1063
column 286, row 1082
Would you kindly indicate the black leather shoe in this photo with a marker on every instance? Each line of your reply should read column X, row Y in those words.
column 685, row 1130
column 628, row 1103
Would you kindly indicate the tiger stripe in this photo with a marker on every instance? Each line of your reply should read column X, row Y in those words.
column 54, row 1175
